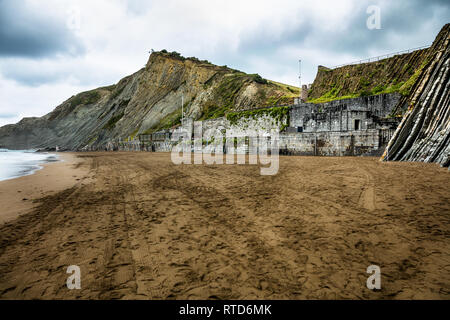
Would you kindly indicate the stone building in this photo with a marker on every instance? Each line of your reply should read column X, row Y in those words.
column 359, row 126
column 354, row 114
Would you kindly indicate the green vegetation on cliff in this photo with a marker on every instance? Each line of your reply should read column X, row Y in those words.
column 395, row 74
column 85, row 98
column 232, row 87
column 277, row 113
column 112, row 122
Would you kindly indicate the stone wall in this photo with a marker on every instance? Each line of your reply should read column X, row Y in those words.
column 343, row 115
column 354, row 143
column 349, row 127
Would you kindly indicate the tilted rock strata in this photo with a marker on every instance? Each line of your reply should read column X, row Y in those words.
column 146, row 101
column 424, row 133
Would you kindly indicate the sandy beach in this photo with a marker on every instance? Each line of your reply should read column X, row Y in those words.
column 141, row 227
column 19, row 196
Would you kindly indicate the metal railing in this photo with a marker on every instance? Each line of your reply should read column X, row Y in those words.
column 385, row 56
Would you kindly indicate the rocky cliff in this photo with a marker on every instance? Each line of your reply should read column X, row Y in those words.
column 424, row 133
column 395, row 74
column 146, row 101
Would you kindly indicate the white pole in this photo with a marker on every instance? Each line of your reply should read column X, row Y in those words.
column 182, row 109
column 300, row 78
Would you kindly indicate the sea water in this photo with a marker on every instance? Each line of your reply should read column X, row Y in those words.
column 18, row 163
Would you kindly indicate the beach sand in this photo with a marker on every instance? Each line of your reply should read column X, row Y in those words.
column 18, row 196
column 140, row 227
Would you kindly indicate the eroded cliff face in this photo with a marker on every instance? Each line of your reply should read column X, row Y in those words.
column 395, row 74
column 146, row 101
column 424, row 133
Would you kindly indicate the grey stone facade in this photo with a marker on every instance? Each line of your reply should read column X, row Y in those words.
column 349, row 127
column 350, row 143
column 343, row 115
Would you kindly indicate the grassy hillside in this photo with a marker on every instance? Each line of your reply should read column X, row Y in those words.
column 395, row 74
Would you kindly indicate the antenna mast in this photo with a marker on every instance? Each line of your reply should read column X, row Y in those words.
column 300, row 79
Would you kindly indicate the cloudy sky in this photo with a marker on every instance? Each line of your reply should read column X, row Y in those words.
column 53, row 49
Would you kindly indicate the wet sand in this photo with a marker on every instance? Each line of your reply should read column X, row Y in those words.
column 20, row 195
column 141, row 227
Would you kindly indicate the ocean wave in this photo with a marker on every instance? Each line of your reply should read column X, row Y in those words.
column 18, row 163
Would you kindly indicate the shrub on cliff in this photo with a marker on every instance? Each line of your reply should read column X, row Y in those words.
column 258, row 79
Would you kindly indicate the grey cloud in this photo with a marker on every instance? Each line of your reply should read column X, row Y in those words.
column 35, row 73
column 405, row 24
column 138, row 7
column 33, row 78
column 404, row 20
column 262, row 42
column 27, row 33
column 7, row 115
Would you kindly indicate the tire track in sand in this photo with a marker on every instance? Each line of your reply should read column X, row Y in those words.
column 254, row 256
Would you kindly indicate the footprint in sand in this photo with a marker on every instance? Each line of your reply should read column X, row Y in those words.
column 367, row 198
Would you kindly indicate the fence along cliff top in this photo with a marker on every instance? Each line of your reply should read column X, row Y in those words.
column 378, row 58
